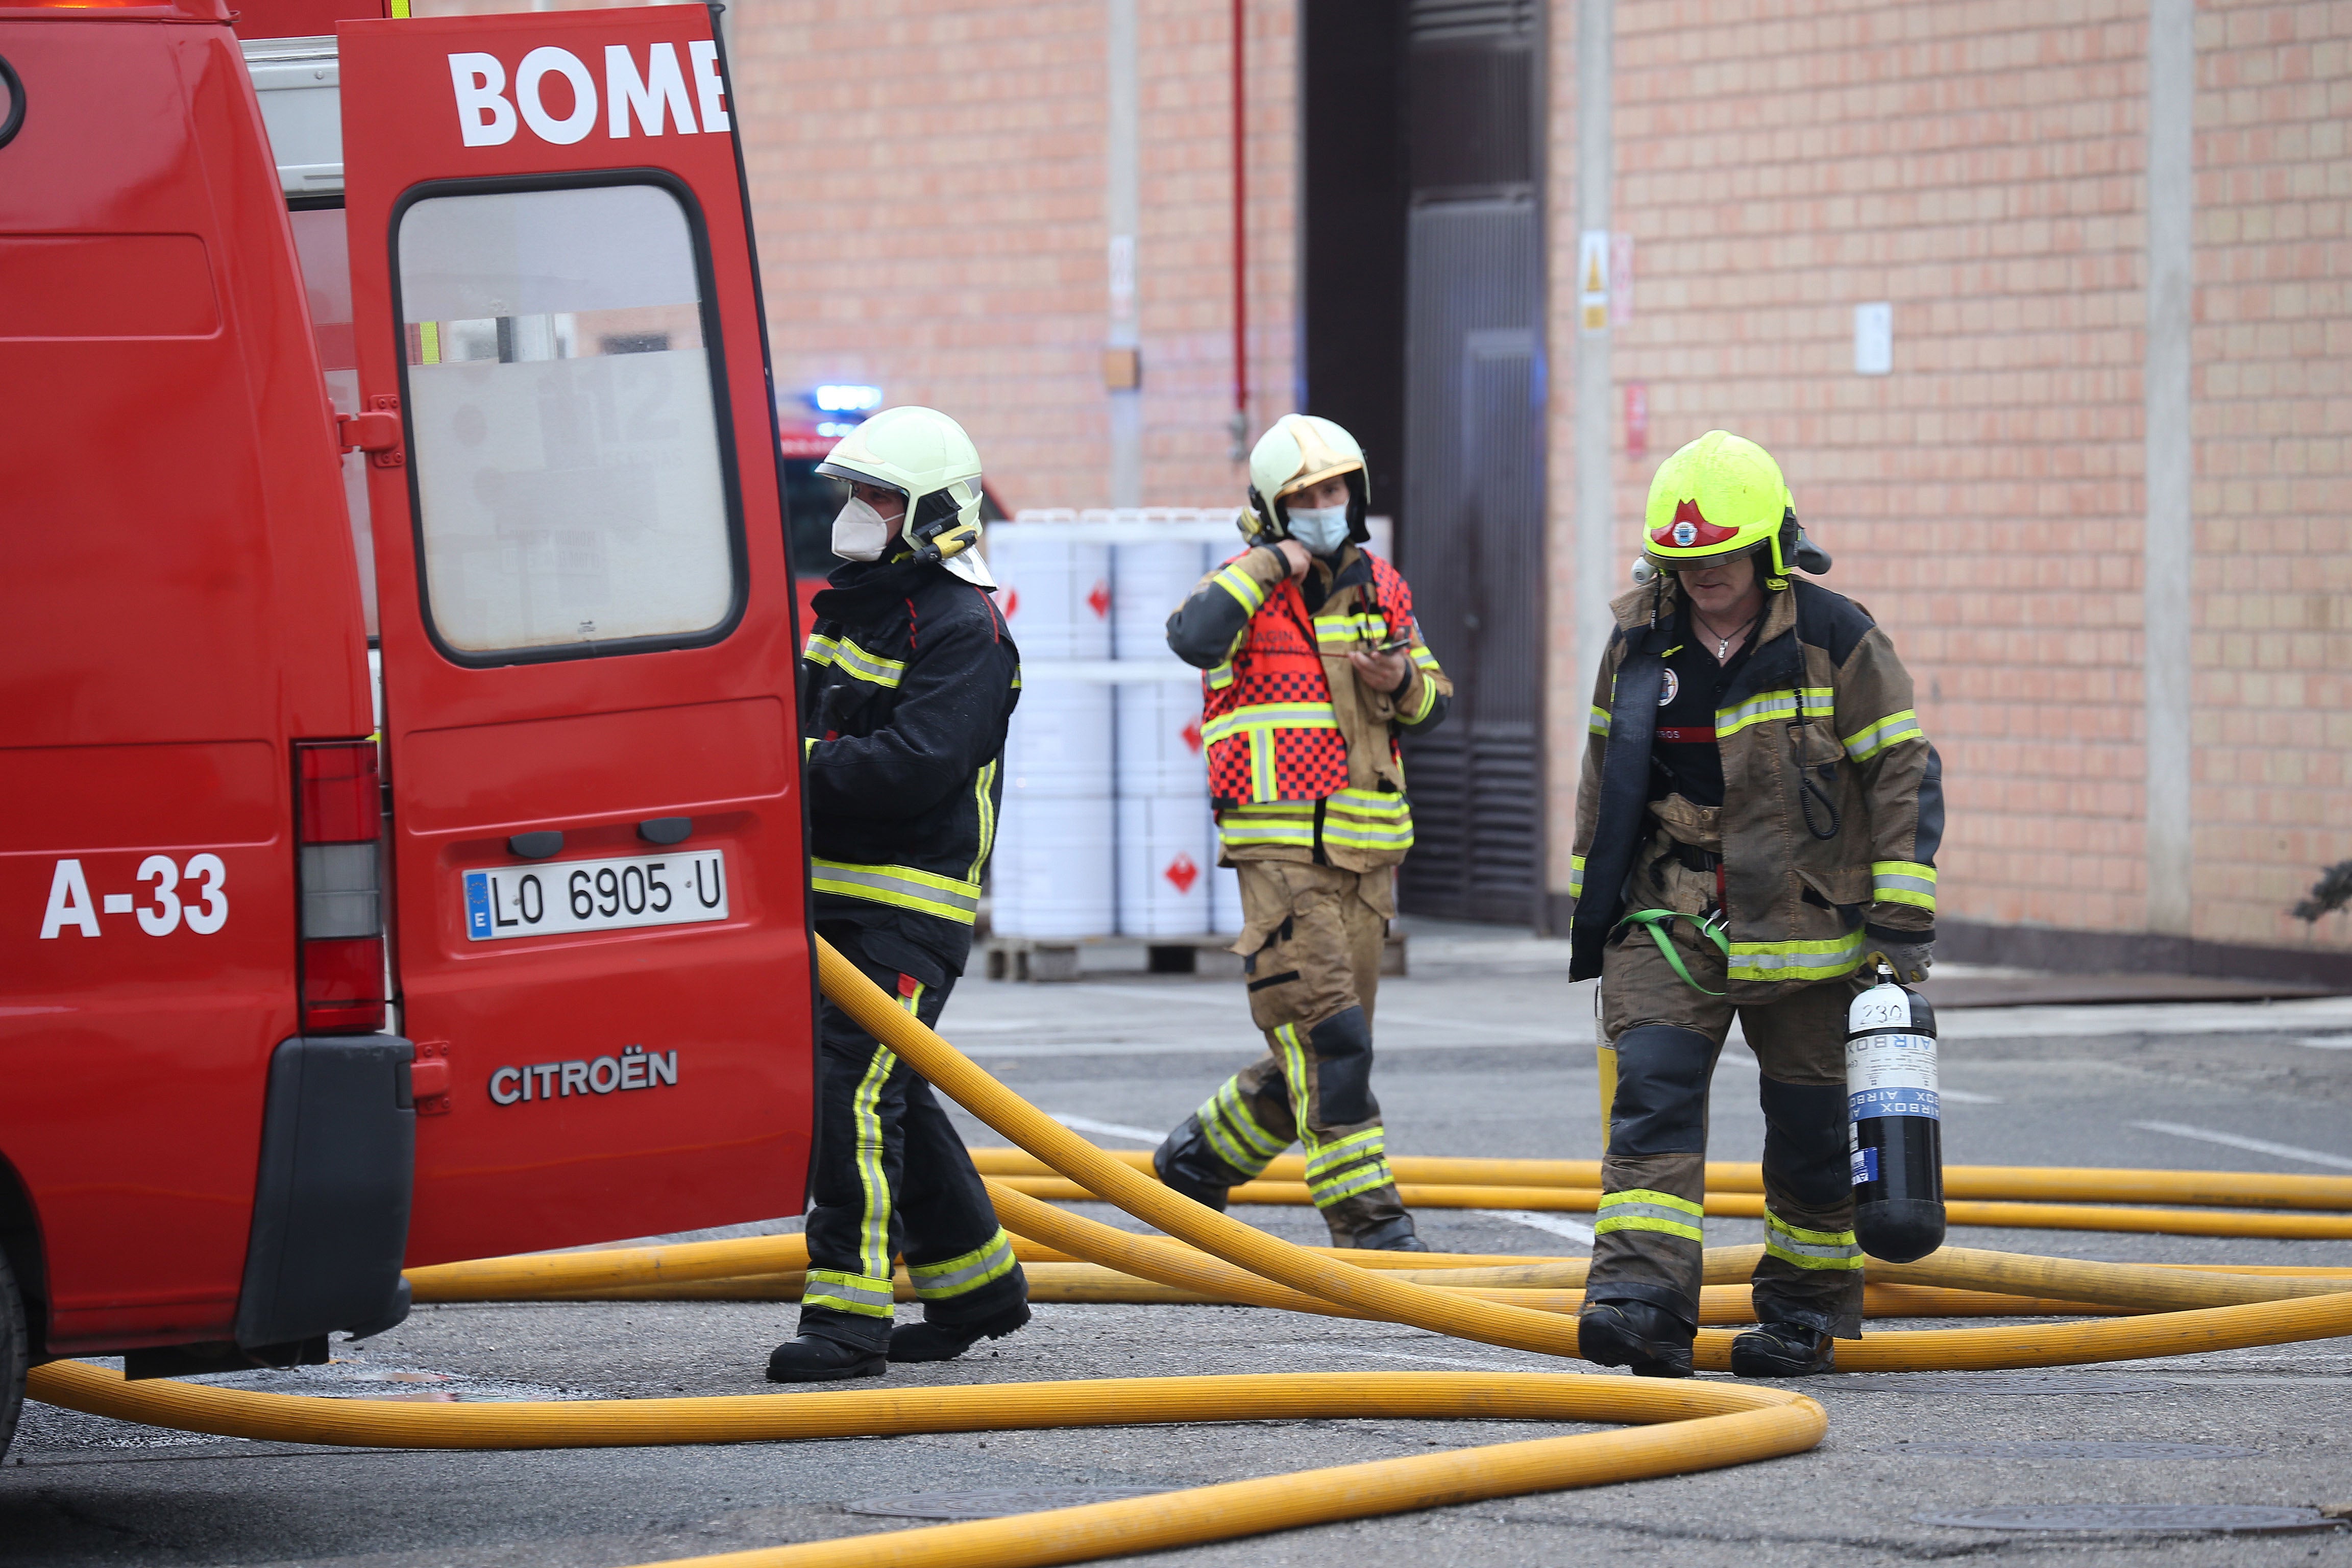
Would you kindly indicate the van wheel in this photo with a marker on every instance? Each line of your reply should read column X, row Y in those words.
column 14, row 1350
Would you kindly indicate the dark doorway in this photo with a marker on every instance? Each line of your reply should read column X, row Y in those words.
column 1423, row 323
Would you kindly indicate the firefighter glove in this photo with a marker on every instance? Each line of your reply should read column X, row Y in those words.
column 1909, row 954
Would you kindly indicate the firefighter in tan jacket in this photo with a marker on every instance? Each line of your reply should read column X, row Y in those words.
column 1312, row 664
column 1758, row 815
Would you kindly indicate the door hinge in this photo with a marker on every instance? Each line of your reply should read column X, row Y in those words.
column 428, row 1076
column 375, row 431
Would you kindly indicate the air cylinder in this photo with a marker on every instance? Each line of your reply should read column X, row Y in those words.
column 1896, row 1123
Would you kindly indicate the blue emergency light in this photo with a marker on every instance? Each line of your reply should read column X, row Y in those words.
column 846, row 399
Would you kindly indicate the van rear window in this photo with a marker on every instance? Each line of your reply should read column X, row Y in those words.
column 572, row 490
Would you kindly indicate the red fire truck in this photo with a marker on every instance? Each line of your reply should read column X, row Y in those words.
column 305, row 981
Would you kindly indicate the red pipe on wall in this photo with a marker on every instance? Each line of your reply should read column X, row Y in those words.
column 1241, row 245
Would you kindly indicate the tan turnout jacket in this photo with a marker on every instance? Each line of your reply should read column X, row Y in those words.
column 1823, row 692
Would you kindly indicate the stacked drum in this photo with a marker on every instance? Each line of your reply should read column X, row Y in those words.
column 1167, row 840
column 1052, row 873
column 1106, row 829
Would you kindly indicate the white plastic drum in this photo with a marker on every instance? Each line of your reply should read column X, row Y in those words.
column 1149, row 581
column 1165, row 856
column 1054, row 591
column 1224, row 899
column 1059, row 743
column 1159, row 746
column 1053, row 873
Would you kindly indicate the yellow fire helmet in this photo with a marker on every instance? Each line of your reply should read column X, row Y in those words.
column 926, row 457
column 1721, row 497
column 1301, row 451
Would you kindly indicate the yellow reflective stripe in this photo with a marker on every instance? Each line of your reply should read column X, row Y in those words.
column 1361, row 626
column 1818, row 700
column 1424, row 658
column 1368, row 819
column 1598, row 723
column 1428, row 697
column 1892, row 731
column 808, row 744
column 1795, row 959
column 961, row 1276
column 1234, row 1132
column 865, row 1129
column 1835, row 1249
column 1368, row 803
column 902, row 887
column 1650, row 1198
column 1575, row 875
column 1262, row 765
column 1358, row 1179
column 1643, row 1208
column 1339, row 1152
column 1234, row 827
column 1221, row 677
column 868, row 1297
column 1648, row 1222
column 851, row 659
column 980, row 794
column 1242, row 586
column 1903, row 882
column 1269, row 716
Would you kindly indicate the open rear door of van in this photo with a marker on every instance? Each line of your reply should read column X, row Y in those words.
column 600, row 888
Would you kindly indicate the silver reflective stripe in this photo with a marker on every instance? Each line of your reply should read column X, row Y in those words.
column 900, row 885
column 991, row 1262
column 1647, row 1211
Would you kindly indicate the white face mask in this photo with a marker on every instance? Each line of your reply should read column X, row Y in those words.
column 859, row 532
column 1323, row 530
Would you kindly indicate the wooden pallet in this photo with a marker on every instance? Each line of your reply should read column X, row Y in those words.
column 1050, row 959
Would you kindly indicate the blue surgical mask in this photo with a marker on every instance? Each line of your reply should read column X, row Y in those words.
column 1323, row 530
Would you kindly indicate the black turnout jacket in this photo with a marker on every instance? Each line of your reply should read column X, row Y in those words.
column 908, row 679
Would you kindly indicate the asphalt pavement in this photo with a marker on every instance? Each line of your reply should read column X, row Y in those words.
column 1484, row 1049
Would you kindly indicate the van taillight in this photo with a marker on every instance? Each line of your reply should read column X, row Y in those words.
column 339, row 819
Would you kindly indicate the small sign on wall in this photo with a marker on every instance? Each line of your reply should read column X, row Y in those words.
column 1592, row 279
column 1874, row 339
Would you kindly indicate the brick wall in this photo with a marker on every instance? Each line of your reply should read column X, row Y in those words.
column 928, row 181
column 2272, row 647
column 1980, row 164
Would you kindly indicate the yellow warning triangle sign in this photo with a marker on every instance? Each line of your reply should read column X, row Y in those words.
column 1592, row 284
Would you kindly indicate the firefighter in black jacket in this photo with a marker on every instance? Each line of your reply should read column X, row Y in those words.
column 906, row 683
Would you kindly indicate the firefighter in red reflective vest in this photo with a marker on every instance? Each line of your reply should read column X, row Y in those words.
column 906, row 683
column 1314, row 666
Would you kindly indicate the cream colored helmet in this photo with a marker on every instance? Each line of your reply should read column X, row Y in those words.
column 926, row 457
column 1301, row 451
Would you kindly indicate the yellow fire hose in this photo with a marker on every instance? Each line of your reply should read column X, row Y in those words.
column 1695, row 1426
column 1750, row 1205
column 2020, row 1183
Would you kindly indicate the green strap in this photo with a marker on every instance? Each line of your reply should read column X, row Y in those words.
column 1655, row 922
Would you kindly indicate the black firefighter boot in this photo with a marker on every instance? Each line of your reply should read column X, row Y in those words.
column 945, row 1342
column 1642, row 1337
column 1391, row 1235
column 813, row 1358
column 1185, row 1163
column 1783, row 1349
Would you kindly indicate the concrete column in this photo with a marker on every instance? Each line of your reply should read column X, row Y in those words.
column 1596, row 574
column 2169, row 546
column 1122, row 149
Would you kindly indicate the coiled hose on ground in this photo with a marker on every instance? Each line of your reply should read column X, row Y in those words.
column 1675, row 1426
